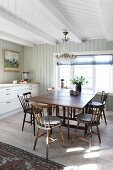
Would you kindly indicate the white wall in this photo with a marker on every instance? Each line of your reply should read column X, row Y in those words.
column 6, row 76
column 39, row 60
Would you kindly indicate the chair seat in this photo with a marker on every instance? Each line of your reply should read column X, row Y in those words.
column 87, row 119
column 84, row 118
column 53, row 120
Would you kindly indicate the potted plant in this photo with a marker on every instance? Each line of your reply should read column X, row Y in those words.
column 78, row 81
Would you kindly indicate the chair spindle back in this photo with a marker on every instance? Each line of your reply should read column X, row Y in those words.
column 25, row 104
column 104, row 97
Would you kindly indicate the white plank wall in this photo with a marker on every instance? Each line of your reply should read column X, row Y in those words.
column 6, row 76
column 39, row 60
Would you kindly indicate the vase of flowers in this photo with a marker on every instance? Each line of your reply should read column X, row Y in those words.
column 78, row 81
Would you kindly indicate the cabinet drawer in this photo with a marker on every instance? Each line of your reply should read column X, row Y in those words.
column 8, row 93
column 8, row 96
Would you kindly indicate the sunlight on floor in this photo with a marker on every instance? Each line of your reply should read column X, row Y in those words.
column 75, row 149
column 88, row 167
column 91, row 155
column 94, row 148
column 71, row 168
column 82, row 167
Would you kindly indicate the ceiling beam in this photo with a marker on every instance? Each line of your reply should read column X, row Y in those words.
column 42, row 35
column 52, row 9
column 17, row 40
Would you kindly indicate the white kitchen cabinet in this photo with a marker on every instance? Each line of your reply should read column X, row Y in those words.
column 9, row 105
column 9, row 101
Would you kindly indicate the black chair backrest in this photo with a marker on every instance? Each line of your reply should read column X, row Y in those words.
column 104, row 97
column 96, row 112
column 27, row 95
column 25, row 104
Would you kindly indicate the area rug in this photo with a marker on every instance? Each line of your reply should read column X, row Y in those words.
column 13, row 158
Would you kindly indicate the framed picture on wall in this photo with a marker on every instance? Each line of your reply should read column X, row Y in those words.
column 11, row 61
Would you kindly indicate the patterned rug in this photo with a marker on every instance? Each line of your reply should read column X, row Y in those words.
column 13, row 158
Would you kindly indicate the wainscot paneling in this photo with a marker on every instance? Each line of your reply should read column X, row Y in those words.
column 8, row 76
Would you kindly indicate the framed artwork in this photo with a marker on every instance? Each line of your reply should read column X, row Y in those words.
column 11, row 61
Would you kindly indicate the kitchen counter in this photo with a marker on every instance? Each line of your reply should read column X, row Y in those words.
column 9, row 103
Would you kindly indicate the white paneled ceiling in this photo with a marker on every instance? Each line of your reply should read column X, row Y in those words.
column 30, row 22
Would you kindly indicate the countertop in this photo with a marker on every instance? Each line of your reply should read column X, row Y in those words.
column 2, row 85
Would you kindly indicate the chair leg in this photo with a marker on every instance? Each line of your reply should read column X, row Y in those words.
column 57, row 111
column 31, row 119
column 90, row 137
column 75, row 131
column 36, row 139
column 70, row 112
column 42, row 113
column 61, row 135
column 47, row 144
column 86, row 129
column 33, row 124
column 53, row 108
column 23, row 121
column 104, row 117
column 98, row 133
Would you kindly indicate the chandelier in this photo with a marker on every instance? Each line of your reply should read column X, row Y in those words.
column 65, row 54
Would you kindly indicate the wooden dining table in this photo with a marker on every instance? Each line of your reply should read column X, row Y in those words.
column 62, row 97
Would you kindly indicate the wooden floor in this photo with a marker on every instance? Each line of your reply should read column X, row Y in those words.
column 74, row 156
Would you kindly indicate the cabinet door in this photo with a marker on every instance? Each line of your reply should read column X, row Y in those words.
column 9, row 105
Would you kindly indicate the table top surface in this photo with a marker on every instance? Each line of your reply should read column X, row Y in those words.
column 62, row 97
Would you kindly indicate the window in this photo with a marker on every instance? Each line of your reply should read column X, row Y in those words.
column 98, row 70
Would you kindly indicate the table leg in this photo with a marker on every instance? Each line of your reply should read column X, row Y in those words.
column 49, row 110
column 64, row 114
column 68, row 123
column 85, row 111
column 57, row 110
